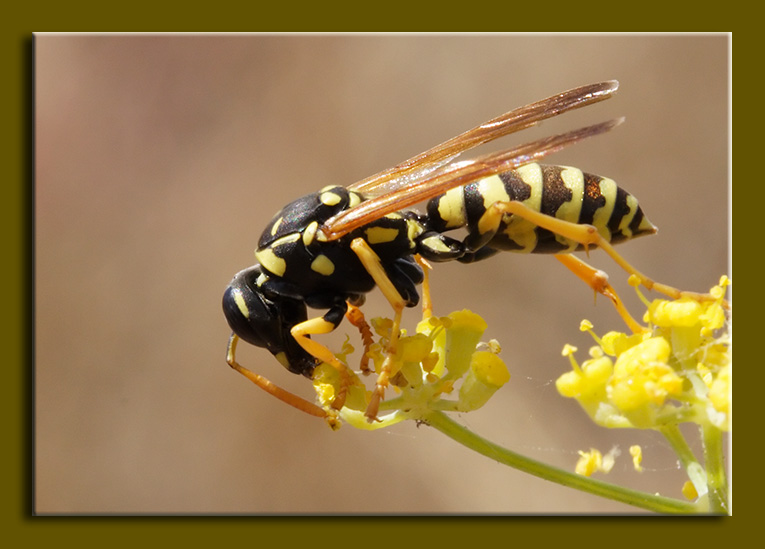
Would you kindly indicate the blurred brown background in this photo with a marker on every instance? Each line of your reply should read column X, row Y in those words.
column 159, row 159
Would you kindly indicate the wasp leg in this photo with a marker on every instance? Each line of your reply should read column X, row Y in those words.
column 427, row 303
column 586, row 235
column 356, row 317
column 272, row 389
column 372, row 264
column 598, row 281
column 324, row 325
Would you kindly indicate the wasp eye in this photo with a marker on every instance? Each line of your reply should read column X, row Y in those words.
column 248, row 314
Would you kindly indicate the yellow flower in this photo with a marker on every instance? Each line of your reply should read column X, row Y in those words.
column 615, row 343
column 675, row 369
column 425, row 368
column 641, row 374
column 462, row 336
column 719, row 398
column 326, row 381
column 681, row 312
column 593, row 461
column 719, row 392
column 587, row 381
column 487, row 374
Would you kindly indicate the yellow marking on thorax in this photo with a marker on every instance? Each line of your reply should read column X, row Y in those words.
column 275, row 226
column 329, row 198
column 310, row 233
column 354, row 200
column 573, row 180
column 269, row 260
column 603, row 214
column 379, row 235
column 519, row 230
column 323, row 265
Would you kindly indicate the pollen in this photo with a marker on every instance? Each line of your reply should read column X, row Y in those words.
column 593, row 461
column 637, row 457
column 689, row 491
column 589, row 462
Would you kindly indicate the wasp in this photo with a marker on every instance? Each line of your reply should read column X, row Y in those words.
column 328, row 249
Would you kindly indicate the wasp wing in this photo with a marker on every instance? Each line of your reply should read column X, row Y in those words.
column 515, row 120
column 454, row 175
column 429, row 174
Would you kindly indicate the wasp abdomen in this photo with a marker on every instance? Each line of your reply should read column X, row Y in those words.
column 556, row 191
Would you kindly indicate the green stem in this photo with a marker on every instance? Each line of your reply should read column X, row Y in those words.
column 467, row 438
column 713, row 457
column 693, row 468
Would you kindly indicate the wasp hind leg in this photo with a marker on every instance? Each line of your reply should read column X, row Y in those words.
column 273, row 389
column 598, row 281
column 584, row 234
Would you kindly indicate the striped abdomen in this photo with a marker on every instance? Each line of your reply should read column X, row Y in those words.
column 557, row 191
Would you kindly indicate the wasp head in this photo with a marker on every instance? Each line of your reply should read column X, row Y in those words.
column 265, row 320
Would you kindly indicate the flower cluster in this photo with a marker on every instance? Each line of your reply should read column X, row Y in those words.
column 443, row 353
column 676, row 369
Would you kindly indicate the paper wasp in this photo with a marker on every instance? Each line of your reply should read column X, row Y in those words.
column 328, row 249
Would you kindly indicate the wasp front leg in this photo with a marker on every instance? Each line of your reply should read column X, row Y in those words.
column 372, row 264
column 324, row 325
column 271, row 388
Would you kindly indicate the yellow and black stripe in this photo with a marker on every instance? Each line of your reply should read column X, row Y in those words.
column 556, row 191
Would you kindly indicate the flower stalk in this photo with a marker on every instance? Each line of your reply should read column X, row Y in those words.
column 636, row 498
column 674, row 369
